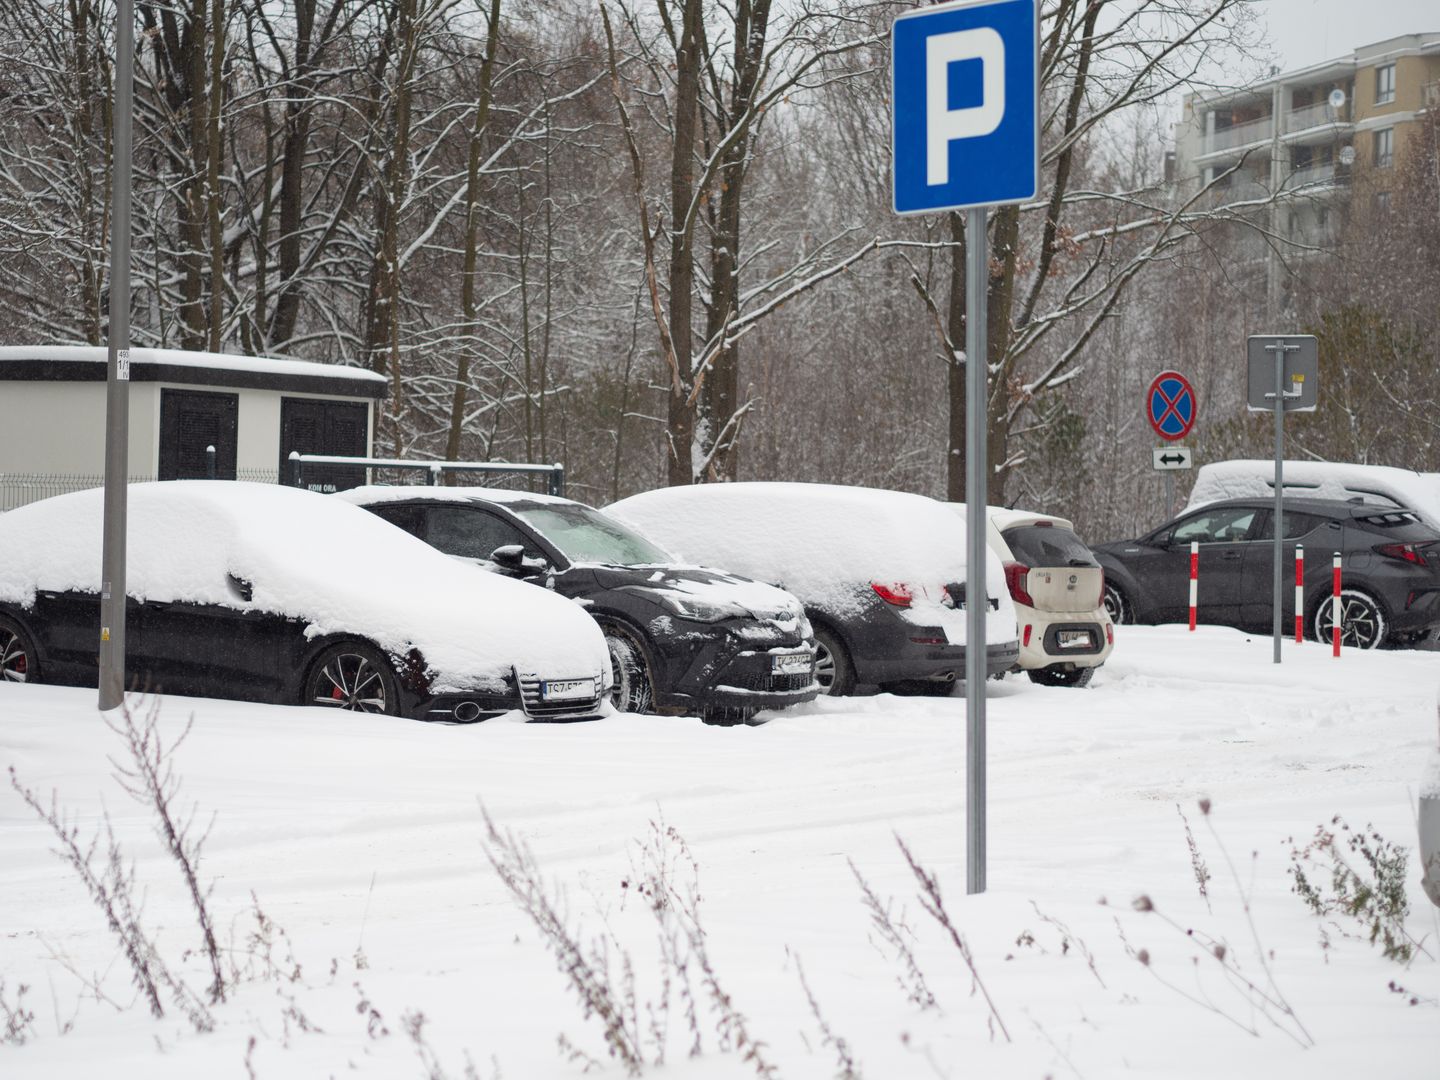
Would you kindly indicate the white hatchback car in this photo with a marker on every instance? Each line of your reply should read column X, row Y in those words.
column 1059, row 589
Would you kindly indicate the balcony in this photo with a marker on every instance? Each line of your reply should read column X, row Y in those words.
column 1315, row 176
column 1238, row 135
column 1315, row 116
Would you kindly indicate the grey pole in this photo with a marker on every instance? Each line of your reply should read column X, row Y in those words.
column 1279, row 522
column 977, row 274
column 117, row 381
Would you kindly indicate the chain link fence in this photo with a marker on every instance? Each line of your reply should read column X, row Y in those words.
column 17, row 489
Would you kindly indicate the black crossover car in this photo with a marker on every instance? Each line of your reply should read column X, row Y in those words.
column 267, row 593
column 1390, row 570
column 681, row 639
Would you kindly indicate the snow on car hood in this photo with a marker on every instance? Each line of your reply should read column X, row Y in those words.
column 331, row 565
column 711, row 587
column 824, row 543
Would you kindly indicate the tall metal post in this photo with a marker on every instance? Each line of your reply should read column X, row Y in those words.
column 1279, row 516
column 117, row 382
column 977, row 275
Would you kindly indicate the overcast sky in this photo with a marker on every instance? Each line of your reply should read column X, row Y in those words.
column 1305, row 32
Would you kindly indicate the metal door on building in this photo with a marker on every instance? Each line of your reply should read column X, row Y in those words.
column 190, row 422
column 314, row 426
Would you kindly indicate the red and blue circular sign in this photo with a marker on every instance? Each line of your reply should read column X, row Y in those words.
column 1170, row 405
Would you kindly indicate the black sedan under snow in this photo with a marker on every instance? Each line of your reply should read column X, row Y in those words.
column 1390, row 570
column 681, row 638
column 266, row 593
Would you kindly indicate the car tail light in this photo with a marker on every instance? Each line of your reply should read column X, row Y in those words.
column 1410, row 553
column 896, row 594
column 1110, row 633
column 1028, row 628
column 928, row 640
column 1015, row 581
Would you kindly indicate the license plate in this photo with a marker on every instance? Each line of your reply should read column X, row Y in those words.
column 567, row 689
column 797, row 663
column 1074, row 639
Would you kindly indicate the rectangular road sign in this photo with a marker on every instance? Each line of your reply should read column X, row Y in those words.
column 1302, row 371
column 964, row 120
column 1172, row 457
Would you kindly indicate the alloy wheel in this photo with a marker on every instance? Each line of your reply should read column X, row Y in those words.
column 1362, row 623
column 14, row 660
column 350, row 681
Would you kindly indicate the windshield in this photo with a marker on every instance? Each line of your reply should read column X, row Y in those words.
column 584, row 535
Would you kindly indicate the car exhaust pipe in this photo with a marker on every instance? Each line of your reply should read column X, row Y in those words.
column 467, row 711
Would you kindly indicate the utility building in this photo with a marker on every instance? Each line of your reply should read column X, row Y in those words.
column 254, row 411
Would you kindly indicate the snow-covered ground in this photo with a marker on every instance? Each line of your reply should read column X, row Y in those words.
column 363, row 840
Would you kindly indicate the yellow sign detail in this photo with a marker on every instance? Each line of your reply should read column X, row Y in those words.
column 104, row 633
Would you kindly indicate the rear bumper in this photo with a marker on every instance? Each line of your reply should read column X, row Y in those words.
column 1041, row 634
column 934, row 663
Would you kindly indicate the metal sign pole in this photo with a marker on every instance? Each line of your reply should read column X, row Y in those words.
column 977, row 275
column 117, row 382
column 1279, row 522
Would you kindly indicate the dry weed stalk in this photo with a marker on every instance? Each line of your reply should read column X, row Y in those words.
column 934, row 904
column 1197, row 861
column 1069, row 937
column 896, row 934
column 113, row 890
column 844, row 1059
column 149, row 777
column 1265, row 1000
column 19, row 1022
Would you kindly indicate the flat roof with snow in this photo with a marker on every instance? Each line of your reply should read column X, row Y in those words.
column 87, row 363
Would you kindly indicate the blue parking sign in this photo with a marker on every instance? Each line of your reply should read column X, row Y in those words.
column 964, row 120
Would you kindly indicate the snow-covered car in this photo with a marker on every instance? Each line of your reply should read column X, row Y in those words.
column 881, row 573
column 1372, row 485
column 1059, row 592
column 273, row 594
column 681, row 638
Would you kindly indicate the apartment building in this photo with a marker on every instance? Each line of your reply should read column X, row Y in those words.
column 1327, row 137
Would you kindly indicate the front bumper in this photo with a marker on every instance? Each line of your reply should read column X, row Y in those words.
column 528, row 693
column 737, row 665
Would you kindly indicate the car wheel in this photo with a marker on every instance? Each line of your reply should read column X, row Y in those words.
column 1055, row 675
column 833, row 669
column 18, row 660
column 1362, row 620
column 634, row 691
column 354, row 677
column 1117, row 605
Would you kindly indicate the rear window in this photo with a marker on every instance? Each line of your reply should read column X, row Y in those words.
column 1400, row 526
column 1047, row 545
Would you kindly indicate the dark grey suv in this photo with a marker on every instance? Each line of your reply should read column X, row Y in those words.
column 1390, row 570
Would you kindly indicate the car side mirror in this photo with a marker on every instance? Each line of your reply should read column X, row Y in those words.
column 511, row 559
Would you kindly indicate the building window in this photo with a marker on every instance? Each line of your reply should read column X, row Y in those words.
column 1384, row 84
column 1384, row 148
column 1382, row 202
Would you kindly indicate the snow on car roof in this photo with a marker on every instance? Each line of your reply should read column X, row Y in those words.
column 381, row 493
column 185, row 358
column 1378, row 485
column 309, row 557
column 1005, row 518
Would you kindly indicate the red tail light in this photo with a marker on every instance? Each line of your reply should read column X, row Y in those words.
column 1410, row 553
column 1015, row 581
column 896, row 594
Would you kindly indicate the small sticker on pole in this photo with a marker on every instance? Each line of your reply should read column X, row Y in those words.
column 122, row 365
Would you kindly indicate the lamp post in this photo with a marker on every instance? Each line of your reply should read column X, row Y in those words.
column 117, row 380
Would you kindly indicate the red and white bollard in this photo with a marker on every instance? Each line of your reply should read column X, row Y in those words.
column 1194, row 578
column 1299, row 594
column 1335, row 609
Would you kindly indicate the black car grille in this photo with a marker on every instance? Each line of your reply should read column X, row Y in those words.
column 769, row 684
column 534, row 704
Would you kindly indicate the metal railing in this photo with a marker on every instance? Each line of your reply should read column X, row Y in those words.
column 18, row 489
column 432, row 470
column 1313, row 116
column 1312, row 174
column 1229, row 138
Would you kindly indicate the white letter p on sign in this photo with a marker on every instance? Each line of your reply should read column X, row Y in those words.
column 944, row 124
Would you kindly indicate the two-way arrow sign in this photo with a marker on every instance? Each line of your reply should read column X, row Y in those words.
column 1172, row 457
